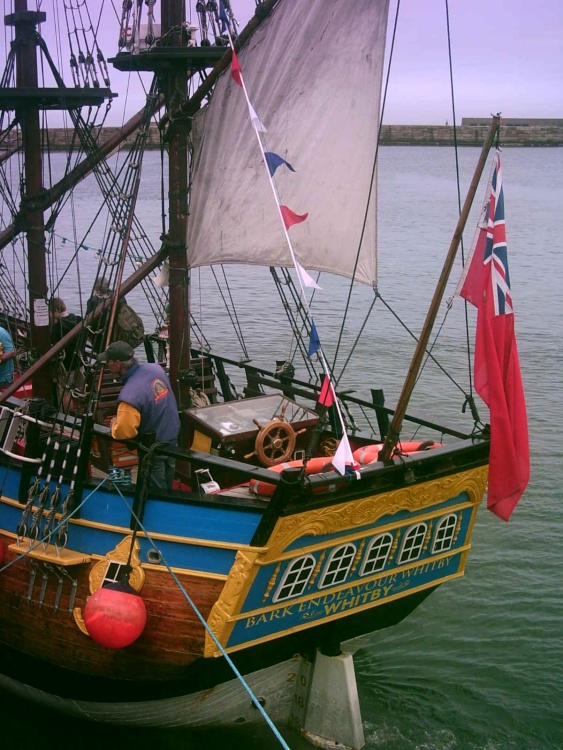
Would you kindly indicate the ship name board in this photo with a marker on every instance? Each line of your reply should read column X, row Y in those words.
column 349, row 598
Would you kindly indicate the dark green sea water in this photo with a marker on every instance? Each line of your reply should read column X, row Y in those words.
column 479, row 666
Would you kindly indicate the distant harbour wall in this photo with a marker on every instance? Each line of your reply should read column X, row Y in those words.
column 59, row 139
column 470, row 135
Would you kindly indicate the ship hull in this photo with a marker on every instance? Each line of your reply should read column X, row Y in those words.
column 228, row 588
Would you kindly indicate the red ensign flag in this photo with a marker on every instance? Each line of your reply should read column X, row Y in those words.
column 497, row 368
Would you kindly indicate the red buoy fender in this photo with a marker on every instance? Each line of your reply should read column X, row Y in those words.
column 115, row 616
column 314, row 466
column 370, row 453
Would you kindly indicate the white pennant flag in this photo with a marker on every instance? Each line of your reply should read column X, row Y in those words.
column 163, row 276
column 306, row 279
column 255, row 120
column 343, row 456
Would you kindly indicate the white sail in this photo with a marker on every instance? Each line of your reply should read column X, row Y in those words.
column 313, row 71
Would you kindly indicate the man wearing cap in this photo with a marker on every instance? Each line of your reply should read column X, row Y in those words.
column 146, row 404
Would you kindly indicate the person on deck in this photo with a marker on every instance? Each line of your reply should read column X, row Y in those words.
column 146, row 404
column 100, row 293
column 61, row 323
column 7, row 356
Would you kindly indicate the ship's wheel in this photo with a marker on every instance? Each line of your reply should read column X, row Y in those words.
column 275, row 442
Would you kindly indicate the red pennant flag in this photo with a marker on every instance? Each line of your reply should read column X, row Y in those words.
column 290, row 217
column 326, row 396
column 236, row 70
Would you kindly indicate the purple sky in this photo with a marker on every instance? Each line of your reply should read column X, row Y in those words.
column 507, row 57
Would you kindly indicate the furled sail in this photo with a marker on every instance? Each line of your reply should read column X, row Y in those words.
column 313, row 72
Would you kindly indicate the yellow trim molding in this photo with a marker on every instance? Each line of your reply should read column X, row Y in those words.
column 349, row 516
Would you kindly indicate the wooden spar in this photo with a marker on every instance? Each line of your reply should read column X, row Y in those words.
column 130, row 283
column 5, row 155
column 397, row 422
column 82, row 170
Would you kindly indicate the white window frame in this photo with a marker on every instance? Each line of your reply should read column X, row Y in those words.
column 445, row 531
column 300, row 584
column 412, row 533
column 341, row 549
column 381, row 562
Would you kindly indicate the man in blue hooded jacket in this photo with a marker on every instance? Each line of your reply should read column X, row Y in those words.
column 146, row 404
column 7, row 356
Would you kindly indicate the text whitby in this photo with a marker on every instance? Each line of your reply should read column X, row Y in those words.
column 347, row 599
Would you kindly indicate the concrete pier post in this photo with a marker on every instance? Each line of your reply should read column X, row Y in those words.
column 332, row 716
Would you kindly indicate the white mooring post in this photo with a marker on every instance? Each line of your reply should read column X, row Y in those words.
column 332, row 715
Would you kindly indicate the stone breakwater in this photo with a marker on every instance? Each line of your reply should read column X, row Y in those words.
column 391, row 135
column 470, row 135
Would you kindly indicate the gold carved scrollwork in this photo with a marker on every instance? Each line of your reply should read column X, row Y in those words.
column 358, row 555
column 354, row 514
column 236, row 587
column 271, row 582
column 119, row 555
column 318, row 566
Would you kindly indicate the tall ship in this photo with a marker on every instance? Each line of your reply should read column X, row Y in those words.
column 302, row 512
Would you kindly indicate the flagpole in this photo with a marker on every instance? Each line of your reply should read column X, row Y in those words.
column 393, row 433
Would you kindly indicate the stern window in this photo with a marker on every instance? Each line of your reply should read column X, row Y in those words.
column 377, row 554
column 444, row 536
column 296, row 578
column 338, row 565
column 412, row 543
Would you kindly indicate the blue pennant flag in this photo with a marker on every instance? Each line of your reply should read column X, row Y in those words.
column 274, row 161
column 223, row 18
column 314, row 341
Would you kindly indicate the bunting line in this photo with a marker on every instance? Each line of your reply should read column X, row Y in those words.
column 274, row 161
column 343, row 459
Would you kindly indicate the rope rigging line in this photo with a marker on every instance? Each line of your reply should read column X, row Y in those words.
column 72, row 384
column 92, row 116
column 428, row 352
column 114, row 193
column 42, row 541
column 231, row 310
column 466, row 310
column 202, row 620
column 297, row 316
column 358, row 336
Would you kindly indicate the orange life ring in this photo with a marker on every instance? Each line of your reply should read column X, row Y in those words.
column 314, row 466
column 367, row 454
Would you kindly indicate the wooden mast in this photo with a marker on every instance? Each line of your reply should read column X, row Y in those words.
column 25, row 22
column 175, row 92
column 397, row 422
